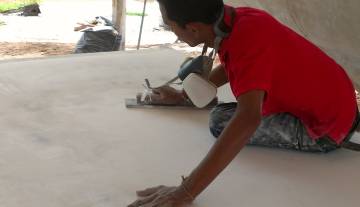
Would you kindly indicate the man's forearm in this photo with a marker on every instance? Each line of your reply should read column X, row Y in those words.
column 229, row 144
column 218, row 76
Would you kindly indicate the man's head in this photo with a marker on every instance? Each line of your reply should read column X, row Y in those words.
column 191, row 20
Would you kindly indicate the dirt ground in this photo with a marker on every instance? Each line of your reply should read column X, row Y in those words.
column 52, row 34
column 17, row 50
column 31, row 50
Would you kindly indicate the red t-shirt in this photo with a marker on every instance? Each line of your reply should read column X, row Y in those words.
column 298, row 78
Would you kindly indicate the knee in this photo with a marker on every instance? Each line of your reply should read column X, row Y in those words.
column 214, row 123
column 219, row 117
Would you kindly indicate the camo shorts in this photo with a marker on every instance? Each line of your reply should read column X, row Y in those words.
column 277, row 131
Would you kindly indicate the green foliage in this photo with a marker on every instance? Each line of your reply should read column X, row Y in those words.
column 16, row 4
column 135, row 14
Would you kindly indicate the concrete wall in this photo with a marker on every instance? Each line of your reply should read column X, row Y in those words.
column 334, row 25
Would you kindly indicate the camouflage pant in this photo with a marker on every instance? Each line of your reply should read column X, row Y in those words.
column 278, row 131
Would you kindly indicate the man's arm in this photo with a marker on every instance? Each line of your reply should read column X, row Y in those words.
column 218, row 76
column 234, row 137
column 241, row 127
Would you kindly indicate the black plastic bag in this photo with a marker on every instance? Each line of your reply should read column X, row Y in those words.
column 103, row 37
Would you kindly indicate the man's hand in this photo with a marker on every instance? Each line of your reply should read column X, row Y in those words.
column 161, row 196
column 167, row 95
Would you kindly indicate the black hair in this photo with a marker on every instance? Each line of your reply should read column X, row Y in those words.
column 185, row 11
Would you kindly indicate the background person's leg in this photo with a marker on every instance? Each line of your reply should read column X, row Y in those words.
column 279, row 131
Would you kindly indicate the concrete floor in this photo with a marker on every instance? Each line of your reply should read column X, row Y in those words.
column 67, row 140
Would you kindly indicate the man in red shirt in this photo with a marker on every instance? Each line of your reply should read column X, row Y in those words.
column 289, row 93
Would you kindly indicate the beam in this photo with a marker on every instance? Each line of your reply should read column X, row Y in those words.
column 119, row 19
column 142, row 24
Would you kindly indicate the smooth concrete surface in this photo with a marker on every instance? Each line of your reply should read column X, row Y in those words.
column 66, row 139
column 334, row 25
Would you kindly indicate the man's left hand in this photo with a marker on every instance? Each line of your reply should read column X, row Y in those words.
column 161, row 196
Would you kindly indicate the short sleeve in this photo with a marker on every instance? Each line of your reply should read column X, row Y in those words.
column 251, row 57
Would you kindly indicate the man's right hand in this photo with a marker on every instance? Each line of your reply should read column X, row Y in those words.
column 167, row 95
